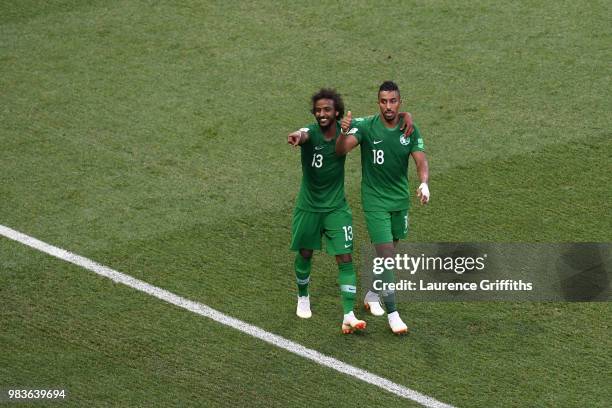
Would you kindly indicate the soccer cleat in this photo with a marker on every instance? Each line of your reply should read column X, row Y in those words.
column 372, row 303
column 303, row 307
column 351, row 323
column 396, row 323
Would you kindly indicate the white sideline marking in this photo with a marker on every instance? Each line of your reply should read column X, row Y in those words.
column 217, row 316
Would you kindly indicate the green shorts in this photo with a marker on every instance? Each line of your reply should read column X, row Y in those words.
column 386, row 226
column 336, row 226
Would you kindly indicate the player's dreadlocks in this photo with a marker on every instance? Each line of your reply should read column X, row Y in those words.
column 329, row 93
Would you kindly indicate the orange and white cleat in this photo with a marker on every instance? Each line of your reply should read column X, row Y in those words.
column 396, row 323
column 351, row 324
column 372, row 304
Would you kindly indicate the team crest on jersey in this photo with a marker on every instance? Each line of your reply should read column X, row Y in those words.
column 405, row 141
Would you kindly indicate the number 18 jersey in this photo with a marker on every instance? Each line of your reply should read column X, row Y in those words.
column 384, row 163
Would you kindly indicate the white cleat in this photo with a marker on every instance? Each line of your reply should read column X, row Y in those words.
column 303, row 307
column 351, row 323
column 372, row 303
column 396, row 323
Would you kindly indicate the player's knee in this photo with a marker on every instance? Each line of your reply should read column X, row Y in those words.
column 306, row 253
column 344, row 258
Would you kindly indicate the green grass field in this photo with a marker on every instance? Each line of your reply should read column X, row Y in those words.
column 151, row 138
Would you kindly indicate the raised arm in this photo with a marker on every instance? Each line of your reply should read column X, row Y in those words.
column 408, row 125
column 346, row 141
column 420, row 159
column 299, row 137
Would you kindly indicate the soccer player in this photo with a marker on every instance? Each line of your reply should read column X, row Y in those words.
column 321, row 209
column 385, row 194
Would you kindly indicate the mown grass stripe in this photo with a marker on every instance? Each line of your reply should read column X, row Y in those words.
column 206, row 311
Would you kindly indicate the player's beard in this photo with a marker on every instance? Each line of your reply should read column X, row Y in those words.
column 390, row 116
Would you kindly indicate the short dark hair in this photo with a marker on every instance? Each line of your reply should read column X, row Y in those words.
column 389, row 86
column 329, row 93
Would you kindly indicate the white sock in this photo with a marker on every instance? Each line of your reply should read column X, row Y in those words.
column 349, row 316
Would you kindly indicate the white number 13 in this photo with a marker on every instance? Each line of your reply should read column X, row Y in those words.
column 348, row 232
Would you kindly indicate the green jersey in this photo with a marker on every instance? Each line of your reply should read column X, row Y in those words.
column 322, row 186
column 384, row 163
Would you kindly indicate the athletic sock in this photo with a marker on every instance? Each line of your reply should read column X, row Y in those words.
column 388, row 296
column 302, row 273
column 347, row 281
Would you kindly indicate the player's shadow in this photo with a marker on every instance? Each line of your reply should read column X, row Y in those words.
column 584, row 272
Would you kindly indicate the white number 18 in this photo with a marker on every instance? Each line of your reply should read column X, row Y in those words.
column 379, row 156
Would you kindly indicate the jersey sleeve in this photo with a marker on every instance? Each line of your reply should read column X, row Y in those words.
column 358, row 126
column 308, row 129
column 416, row 140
